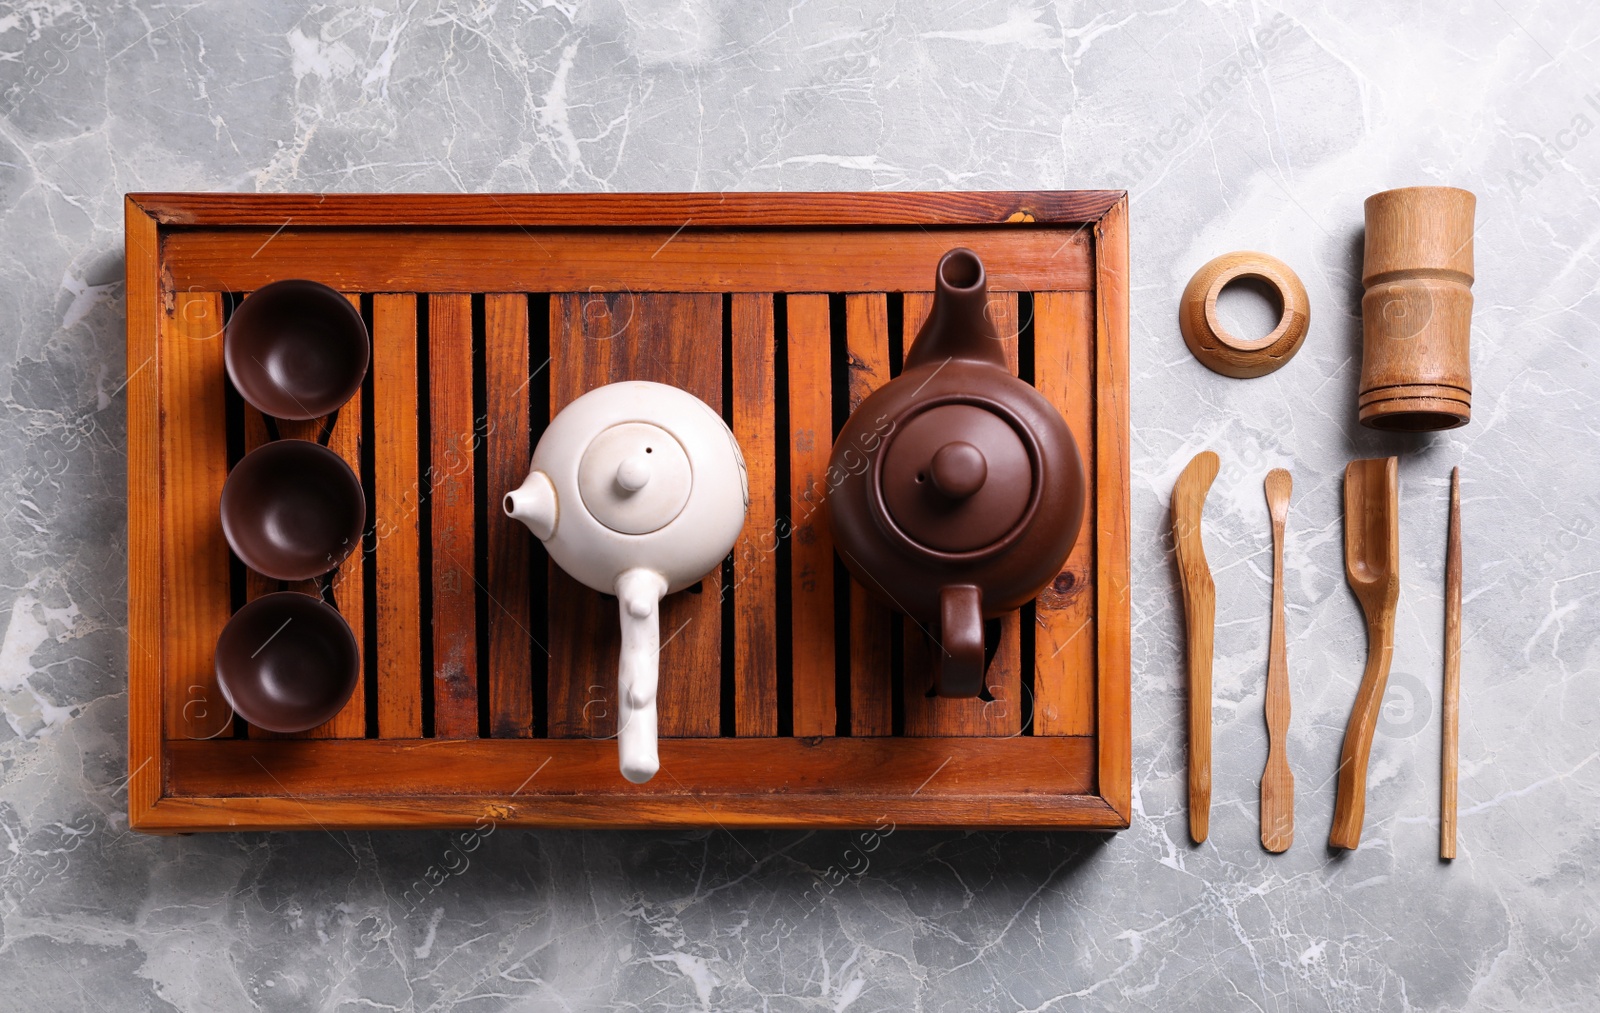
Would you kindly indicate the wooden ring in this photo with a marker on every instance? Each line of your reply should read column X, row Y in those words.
column 1220, row 351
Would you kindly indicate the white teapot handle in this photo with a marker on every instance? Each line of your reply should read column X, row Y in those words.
column 639, row 594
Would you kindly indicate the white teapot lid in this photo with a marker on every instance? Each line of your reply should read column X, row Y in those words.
column 635, row 478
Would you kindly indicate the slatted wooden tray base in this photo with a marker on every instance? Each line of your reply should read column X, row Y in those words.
column 788, row 696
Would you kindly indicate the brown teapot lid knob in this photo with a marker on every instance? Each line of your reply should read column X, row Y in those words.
column 958, row 469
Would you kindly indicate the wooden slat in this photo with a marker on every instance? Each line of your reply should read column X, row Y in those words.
column 917, row 645
column 511, row 645
column 301, row 429
column 1114, row 716
column 595, row 340
column 1001, row 715
column 194, row 455
column 871, row 677
column 597, row 810
column 755, row 782
column 349, row 591
column 811, row 541
column 1064, row 637
column 755, row 558
column 452, row 440
column 142, row 383
column 582, row 680
column 918, row 651
column 719, row 209
column 621, row 260
column 396, row 490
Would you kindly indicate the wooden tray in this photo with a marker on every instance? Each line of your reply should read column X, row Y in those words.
column 788, row 697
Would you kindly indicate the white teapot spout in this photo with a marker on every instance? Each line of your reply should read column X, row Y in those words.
column 534, row 504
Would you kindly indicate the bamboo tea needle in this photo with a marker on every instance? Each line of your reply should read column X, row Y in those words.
column 1452, row 673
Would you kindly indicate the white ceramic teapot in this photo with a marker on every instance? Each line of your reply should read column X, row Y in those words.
column 637, row 489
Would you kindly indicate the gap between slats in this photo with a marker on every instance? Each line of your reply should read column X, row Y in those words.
column 506, row 617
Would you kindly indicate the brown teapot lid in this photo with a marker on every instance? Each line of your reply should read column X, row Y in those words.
column 956, row 478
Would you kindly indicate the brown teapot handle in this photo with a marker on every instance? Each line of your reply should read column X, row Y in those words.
column 960, row 669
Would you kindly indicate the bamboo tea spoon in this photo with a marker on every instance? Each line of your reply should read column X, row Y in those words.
column 1452, row 673
column 1200, row 615
column 1277, row 781
column 1372, row 566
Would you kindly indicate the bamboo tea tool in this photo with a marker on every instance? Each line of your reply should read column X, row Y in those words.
column 1200, row 616
column 1277, row 781
column 1220, row 351
column 1416, row 314
column 1372, row 566
column 1452, row 673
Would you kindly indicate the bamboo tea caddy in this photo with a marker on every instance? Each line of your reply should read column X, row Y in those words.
column 1416, row 313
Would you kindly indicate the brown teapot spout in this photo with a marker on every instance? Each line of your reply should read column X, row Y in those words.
column 958, row 326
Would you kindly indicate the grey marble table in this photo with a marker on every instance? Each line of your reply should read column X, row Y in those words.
column 1233, row 126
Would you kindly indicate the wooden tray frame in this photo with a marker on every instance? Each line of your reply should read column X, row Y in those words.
column 176, row 243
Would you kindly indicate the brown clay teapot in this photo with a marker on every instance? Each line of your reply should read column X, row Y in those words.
column 957, row 489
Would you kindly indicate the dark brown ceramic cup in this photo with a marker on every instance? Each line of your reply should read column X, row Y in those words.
column 296, row 349
column 292, row 509
column 287, row 662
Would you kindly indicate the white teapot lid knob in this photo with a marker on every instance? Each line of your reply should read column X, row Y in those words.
column 633, row 472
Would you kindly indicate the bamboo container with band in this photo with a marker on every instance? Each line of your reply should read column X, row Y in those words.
column 1417, row 310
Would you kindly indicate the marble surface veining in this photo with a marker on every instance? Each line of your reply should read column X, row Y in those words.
column 1234, row 125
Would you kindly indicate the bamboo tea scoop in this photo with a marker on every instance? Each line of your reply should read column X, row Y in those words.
column 1452, row 673
column 1372, row 566
column 1277, row 781
column 1200, row 616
